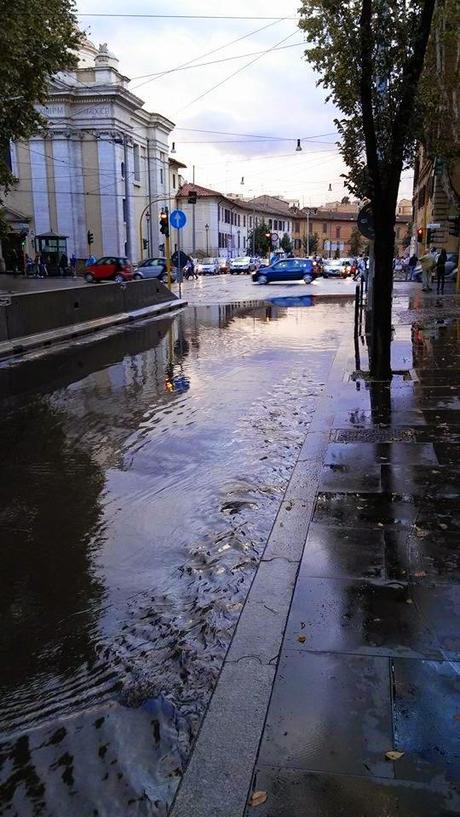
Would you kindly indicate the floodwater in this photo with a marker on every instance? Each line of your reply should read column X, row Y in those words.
column 140, row 479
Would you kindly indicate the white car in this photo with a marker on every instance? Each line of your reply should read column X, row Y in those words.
column 242, row 264
column 208, row 266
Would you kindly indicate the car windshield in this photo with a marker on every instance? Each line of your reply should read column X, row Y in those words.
column 208, row 261
column 243, row 259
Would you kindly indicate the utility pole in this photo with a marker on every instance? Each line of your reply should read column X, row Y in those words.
column 127, row 200
column 193, row 218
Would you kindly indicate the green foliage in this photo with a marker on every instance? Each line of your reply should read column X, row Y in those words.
column 261, row 242
column 373, row 47
column 286, row 243
column 38, row 38
column 310, row 247
column 356, row 242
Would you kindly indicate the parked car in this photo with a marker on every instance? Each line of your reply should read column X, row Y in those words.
column 242, row 264
column 289, row 269
column 224, row 265
column 109, row 268
column 153, row 268
column 337, row 268
column 208, row 266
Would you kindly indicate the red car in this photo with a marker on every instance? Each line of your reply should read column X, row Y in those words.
column 109, row 268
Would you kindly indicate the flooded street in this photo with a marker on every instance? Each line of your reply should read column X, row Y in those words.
column 141, row 476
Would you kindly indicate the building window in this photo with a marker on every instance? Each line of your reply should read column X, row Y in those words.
column 124, row 210
column 244, row 221
column 270, row 223
column 137, row 163
column 250, row 222
column 324, row 228
column 122, row 168
column 244, row 240
column 337, row 232
column 226, row 216
column 161, row 175
column 174, row 181
column 239, row 220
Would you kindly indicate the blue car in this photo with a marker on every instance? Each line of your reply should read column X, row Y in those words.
column 289, row 269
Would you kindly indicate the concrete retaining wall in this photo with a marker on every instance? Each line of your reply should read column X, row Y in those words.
column 34, row 312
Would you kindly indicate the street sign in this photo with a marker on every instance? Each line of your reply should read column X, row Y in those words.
column 434, row 226
column 365, row 222
column 178, row 219
column 275, row 238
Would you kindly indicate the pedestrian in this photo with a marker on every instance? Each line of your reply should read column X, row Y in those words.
column 441, row 271
column 28, row 266
column 42, row 268
column 428, row 263
column 90, row 260
column 73, row 264
column 189, row 269
column 411, row 264
column 63, row 264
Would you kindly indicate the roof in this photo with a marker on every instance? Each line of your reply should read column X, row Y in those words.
column 176, row 162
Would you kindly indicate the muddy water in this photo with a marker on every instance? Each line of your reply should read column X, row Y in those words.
column 140, row 477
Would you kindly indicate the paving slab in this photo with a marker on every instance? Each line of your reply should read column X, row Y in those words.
column 296, row 793
column 304, row 731
column 426, row 703
column 343, row 553
column 367, row 617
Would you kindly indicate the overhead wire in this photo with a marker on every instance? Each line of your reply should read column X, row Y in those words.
column 238, row 71
column 207, row 53
column 180, row 16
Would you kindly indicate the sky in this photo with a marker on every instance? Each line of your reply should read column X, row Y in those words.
column 259, row 113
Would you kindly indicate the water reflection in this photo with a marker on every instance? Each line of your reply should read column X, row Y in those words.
column 147, row 470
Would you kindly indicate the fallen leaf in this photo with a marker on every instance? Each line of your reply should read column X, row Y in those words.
column 419, row 574
column 457, row 717
column 409, row 601
column 443, row 526
column 394, row 755
column 380, row 524
column 258, row 798
column 302, row 639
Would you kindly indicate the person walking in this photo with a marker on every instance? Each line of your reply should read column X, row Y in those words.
column 411, row 264
column 428, row 263
column 73, row 265
column 42, row 268
column 63, row 264
column 441, row 271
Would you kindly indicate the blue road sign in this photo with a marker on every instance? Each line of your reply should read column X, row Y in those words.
column 178, row 219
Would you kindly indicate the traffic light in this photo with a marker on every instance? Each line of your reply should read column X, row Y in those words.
column 164, row 223
column 429, row 237
column 90, row 237
column 192, row 197
column 145, row 243
column 420, row 235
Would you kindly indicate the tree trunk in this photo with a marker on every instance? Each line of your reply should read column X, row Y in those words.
column 384, row 217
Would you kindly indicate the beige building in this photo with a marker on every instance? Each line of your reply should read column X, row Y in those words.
column 101, row 161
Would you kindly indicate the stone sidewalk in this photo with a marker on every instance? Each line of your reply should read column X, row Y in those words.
column 347, row 646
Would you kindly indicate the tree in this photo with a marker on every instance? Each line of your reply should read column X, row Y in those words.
column 356, row 242
column 310, row 247
column 38, row 38
column 370, row 55
column 257, row 238
column 286, row 243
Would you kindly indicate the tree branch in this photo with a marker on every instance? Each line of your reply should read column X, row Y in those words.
column 410, row 78
column 365, row 26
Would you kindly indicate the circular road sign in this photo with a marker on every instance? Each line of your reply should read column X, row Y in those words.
column 275, row 238
column 178, row 219
column 365, row 222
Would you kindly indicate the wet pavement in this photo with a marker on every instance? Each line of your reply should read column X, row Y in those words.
column 141, row 475
column 370, row 661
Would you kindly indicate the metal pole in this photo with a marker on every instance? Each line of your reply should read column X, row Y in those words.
column 168, row 251
column 179, row 266
column 149, row 188
column 127, row 200
column 193, row 218
column 254, row 230
column 308, row 232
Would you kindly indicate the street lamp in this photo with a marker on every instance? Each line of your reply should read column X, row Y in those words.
column 206, row 227
column 299, row 146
